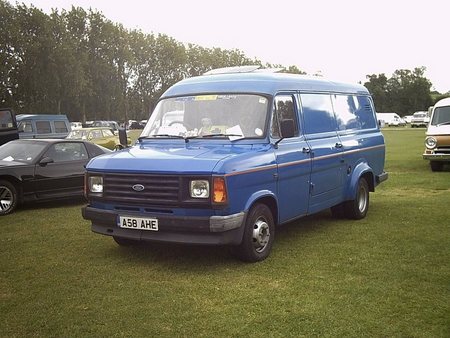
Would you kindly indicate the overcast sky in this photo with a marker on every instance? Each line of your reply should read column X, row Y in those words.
column 344, row 39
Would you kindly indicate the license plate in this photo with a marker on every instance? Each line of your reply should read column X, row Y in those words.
column 138, row 223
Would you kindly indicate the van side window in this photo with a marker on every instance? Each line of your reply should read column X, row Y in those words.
column 26, row 127
column 353, row 112
column 43, row 127
column 364, row 112
column 345, row 109
column 318, row 113
column 60, row 127
column 283, row 110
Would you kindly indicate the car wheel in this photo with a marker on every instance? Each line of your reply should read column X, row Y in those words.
column 8, row 197
column 125, row 241
column 259, row 234
column 358, row 207
column 436, row 166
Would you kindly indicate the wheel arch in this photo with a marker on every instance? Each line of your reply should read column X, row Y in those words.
column 362, row 170
column 264, row 197
column 17, row 184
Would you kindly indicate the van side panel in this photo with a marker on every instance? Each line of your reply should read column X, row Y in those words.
column 327, row 175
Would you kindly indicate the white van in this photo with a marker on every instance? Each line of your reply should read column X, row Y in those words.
column 437, row 141
column 390, row 119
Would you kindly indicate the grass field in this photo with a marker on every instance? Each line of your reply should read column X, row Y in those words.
column 387, row 275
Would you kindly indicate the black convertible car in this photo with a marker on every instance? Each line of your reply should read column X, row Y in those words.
column 32, row 170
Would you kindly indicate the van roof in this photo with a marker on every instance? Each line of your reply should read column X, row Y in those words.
column 443, row 102
column 21, row 117
column 259, row 83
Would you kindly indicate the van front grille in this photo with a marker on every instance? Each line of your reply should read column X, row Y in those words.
column 156, row 189
column 442, row 150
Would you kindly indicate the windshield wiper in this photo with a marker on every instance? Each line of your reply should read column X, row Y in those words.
column 443, row 123
column 159, row 135
column 221, row 135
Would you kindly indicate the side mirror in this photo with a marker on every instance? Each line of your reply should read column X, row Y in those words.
column 287, row 128
column 45, row 161
column 123, row 137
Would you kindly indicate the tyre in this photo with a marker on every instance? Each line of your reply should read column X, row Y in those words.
column 259, row 234
column 358, row 207
column 125, row 241
column 8, row 197
column 436, row 166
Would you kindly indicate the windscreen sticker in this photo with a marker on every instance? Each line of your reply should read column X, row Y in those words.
column 206, row 97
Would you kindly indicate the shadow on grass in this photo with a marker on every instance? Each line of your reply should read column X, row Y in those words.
column 170, row 254
column 60, row 203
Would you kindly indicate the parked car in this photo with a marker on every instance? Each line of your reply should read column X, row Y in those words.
column 113, row 125
column 44, row 169
column 102, row 136
column 8, row 126
column 76, row 125
column 420, row 119
column 42, row 126
column 437, row 141
column 407, row 118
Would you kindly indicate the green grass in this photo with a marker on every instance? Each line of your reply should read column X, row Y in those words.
column 387, row 275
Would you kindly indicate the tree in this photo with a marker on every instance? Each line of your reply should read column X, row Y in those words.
column 404, row 93
column 378, row 87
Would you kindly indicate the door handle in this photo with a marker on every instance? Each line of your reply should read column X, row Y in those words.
column 338, row 145
column 306, row 150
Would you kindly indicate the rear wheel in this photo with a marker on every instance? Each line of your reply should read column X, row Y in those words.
column 358, row 207
column 259, row 234
column 8, row 197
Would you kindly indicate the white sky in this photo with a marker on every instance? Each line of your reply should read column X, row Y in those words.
column 343, row 39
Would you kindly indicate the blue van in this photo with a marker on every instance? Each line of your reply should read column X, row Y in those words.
column 43, row 126
column 226, row 158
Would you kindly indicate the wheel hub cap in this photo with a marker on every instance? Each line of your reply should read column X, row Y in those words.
column 261, row 235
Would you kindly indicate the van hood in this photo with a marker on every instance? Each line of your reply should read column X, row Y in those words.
column 438, row 130
column 157, row 158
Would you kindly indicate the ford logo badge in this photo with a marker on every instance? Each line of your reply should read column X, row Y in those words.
column 138, row 187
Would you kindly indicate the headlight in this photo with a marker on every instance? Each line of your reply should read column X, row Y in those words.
column 96, row 184
column 430, row 142
column 199, row 189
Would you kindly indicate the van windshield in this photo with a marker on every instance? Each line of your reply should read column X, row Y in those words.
column 235, row 116
column 441, row 115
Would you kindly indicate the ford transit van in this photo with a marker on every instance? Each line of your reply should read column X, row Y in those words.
column 226, row 158
column 43, row 126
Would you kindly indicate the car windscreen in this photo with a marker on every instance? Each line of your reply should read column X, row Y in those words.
column 241, row 115
column 441, row 115
column 19, row 151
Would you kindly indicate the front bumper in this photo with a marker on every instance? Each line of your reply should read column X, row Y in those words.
column 214, row 230
column 436, row 157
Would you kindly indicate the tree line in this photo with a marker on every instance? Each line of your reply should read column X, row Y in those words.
column 404, row 93
column 79, row 63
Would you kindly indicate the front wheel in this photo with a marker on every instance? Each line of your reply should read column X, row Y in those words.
column 259, row 234
column 358, row 207
column 8, row 197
